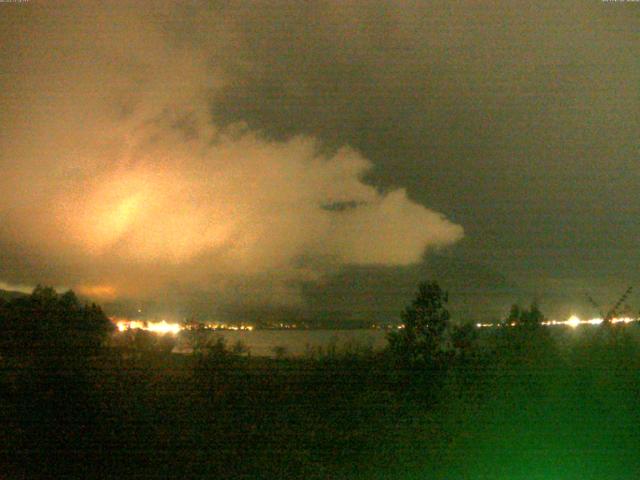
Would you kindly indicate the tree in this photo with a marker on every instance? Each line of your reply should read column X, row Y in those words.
column 523, row 339
column 522, row 317
column 45, row 323
column 514, row 315
column 463, row 338
column 279, row 351
column 425, row 320
column 48, row 342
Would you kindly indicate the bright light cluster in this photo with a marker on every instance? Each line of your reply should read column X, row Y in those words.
column 163, row 326
column 224, row 326
column 573, row 321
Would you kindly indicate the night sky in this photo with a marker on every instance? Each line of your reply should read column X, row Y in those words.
column 316, row 159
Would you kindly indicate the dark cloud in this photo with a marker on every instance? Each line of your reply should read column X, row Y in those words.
column 517, row 120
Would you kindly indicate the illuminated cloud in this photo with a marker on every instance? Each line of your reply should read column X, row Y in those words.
column 118, row 183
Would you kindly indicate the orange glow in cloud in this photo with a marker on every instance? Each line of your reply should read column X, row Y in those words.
column 148, row 214
column 97, row 291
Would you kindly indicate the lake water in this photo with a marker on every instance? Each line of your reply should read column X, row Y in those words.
column 300, row 342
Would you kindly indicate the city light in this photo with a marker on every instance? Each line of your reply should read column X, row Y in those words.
column 573, row 321
column 162, row 326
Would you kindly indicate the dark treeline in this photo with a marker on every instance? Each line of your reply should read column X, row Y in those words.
column 442, row 401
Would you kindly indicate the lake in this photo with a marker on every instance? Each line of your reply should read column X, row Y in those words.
column 299, row 342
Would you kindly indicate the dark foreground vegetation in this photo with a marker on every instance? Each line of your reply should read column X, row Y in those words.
column 513, row 402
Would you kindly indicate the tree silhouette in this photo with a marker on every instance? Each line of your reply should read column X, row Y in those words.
column 525, row 318
column 523, row 338
column 463, row 338
column 45, row 323
column 421, row 339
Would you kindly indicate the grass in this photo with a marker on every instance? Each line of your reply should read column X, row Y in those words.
column 559, row 408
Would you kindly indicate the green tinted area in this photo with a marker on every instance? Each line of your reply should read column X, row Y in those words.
column 568, row 410
column 514, row 403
